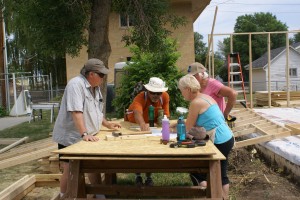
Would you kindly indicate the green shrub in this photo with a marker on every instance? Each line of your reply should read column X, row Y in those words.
column 145, row 65
column 3, row 112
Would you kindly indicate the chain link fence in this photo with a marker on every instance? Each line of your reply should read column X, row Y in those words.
column 39, row 87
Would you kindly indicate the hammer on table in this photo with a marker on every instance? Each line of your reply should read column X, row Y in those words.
column 116, row 134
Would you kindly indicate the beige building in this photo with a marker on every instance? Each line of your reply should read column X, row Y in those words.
column 191, row 9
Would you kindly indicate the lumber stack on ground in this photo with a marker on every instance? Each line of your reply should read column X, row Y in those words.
column 18, row 189
column 27, row 152
column 13, row 144
column 25, row 185
column 278, row 98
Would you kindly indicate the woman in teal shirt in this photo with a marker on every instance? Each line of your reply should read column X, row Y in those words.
column 204, row 112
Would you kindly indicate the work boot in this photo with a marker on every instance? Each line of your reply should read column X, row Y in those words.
column 139, row 181
column 149, row 181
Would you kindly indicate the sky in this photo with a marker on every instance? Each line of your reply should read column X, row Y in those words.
column 286, row 11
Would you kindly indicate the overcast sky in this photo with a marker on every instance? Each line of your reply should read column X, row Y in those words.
column 286, row 11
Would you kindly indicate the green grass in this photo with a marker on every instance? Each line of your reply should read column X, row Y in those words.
column 35, row 130
column 159, row 179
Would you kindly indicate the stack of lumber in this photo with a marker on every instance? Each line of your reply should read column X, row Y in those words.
column 278, row 98
column 25, row 185
column 27, row 152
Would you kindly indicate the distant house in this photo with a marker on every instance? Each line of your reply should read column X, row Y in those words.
column 118, row 25
column 277, row 69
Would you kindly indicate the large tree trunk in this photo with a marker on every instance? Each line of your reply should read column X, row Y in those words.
column 99, row 46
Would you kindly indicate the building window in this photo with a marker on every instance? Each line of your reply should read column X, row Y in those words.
column 125, row 20
column 293, row 72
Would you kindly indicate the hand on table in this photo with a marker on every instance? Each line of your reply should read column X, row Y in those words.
column 144, row 127
column 90, row 138
column 114, row 126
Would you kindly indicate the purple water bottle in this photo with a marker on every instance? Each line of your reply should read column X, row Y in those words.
column 165, row 129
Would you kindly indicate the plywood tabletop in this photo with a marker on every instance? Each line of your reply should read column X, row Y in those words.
column 144, row 146
column 149, row 147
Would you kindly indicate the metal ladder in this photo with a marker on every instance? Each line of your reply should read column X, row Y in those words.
column 235, row 76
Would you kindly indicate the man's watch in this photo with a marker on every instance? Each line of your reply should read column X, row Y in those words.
column 84, row 134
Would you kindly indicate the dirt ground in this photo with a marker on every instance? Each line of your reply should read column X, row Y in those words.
column 251, row 178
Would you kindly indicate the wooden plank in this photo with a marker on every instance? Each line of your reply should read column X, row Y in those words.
column 295, row 128
column 26, row 148
column 27, row 157
column 24, row 139
column 49, row 180
column 124, row 190
column 7, row 141
column 130, row 132
column 261, row 139
column 126, row 137
column 18, row 188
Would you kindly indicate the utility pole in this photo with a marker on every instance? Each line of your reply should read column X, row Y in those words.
column 2, row 65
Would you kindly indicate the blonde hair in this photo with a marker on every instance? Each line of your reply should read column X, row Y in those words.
column 189, row 81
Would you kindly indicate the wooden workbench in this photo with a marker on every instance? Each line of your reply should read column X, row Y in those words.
column 143, row 155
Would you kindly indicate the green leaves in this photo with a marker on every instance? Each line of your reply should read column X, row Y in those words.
column 150, row 20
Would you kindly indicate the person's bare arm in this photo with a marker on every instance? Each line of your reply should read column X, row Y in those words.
column 231, row 95
column 111, row 125
column 79, row 123
column 140, row 120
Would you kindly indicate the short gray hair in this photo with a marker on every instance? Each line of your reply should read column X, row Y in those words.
column 189, row 81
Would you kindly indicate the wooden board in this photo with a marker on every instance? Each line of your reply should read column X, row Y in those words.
column 295, row 128
column 249, row 122
column 149, row 147
column 26, row 148
column 25, row 185
column 18, row 189
column 7, row 141
column 20, row 141
column 23, row 158
column 278, row 98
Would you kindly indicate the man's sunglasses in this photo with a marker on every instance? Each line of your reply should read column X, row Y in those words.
column 100, row 74
column 155, row 93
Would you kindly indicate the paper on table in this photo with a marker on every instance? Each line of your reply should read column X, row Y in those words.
column 157, row 132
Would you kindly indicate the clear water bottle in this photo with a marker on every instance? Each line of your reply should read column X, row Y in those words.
column 160, row 117
column 165, row 129
column 181, row 130
column 151, row 116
